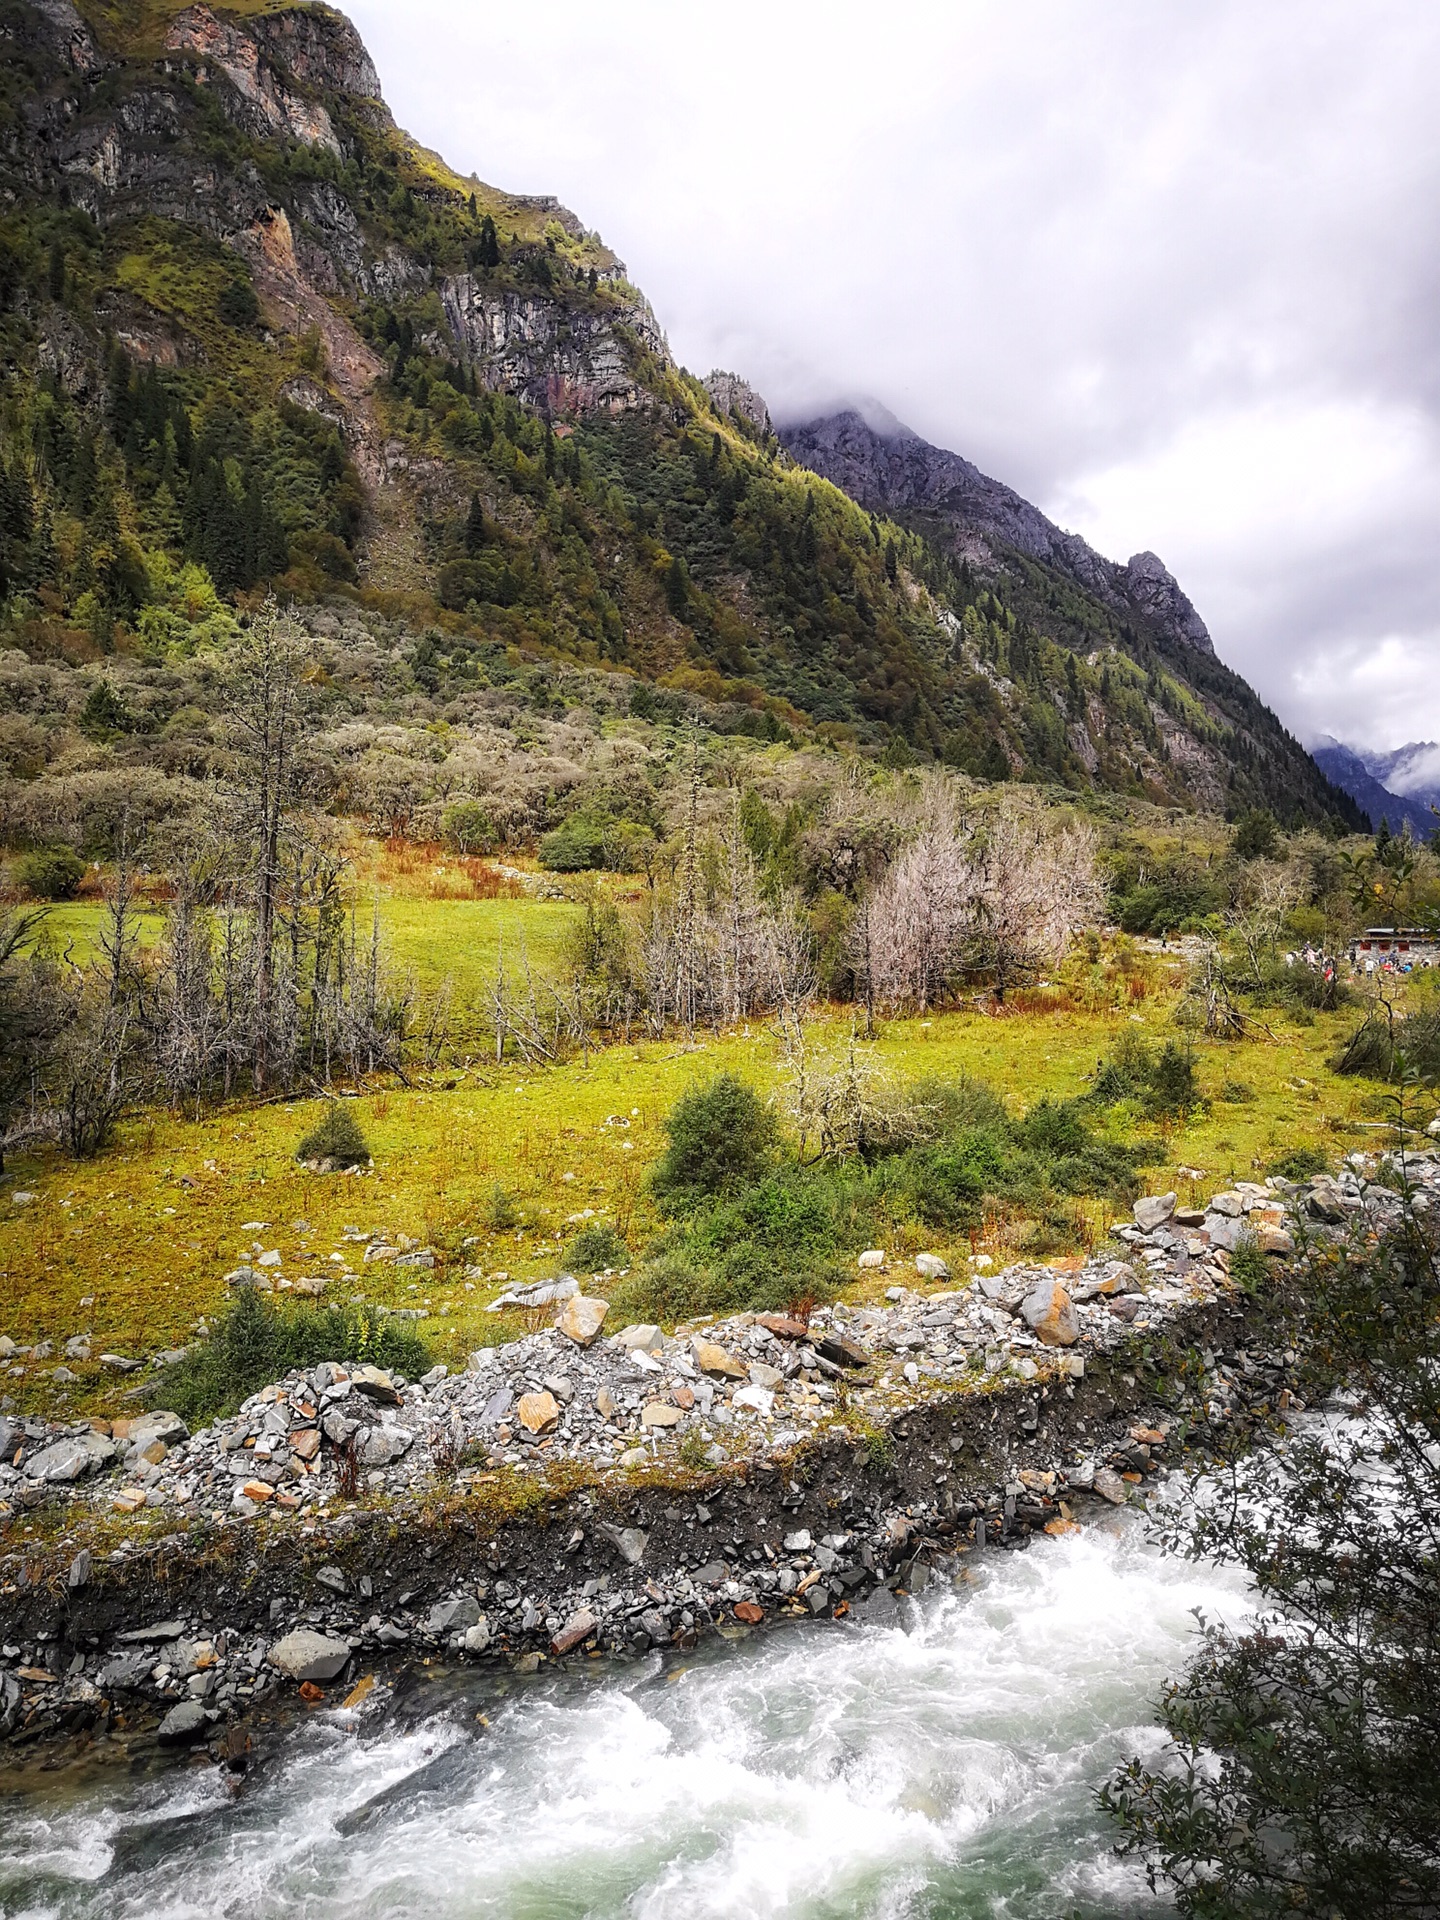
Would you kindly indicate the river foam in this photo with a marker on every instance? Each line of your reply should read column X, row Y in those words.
column 820, row 1773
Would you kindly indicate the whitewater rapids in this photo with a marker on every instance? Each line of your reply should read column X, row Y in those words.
column 826, row 1772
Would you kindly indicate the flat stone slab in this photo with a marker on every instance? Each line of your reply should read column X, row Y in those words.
column 305, row 1655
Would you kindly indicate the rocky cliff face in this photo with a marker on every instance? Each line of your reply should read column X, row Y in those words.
column 560, row 361
column 731, row 394
column 890, row 469
column 302, row 74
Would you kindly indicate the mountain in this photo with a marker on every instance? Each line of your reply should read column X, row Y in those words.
column 1412, row 770
column 881, row 463
column 1361, row 773
column 254, row 337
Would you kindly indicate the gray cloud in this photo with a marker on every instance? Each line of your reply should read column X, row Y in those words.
column 1170, row 271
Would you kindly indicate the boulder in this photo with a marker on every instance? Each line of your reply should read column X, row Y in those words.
column 375, row 1385
column 184, row 1723
column 305, row 1655
column 629, row 1543
column 1323, row 1203
column 1153, row 1211
column 764, row 1376
column 581, row 1319
column 1227, row 1230
column 1229, row 1202
column 841, row 1352
column 575, row 1632
column 641, row 1338
column 455, row 1615
column 871, row 1259
column 757, row 1399
column 1048, row 1314
column 539, row 1293
column 1110, row 1486
column 67, row 1460
column 382, row 1445
column 166, row 1428
column 537, row 1412
column 931, row 1267
column 658, row 1414
column 477, row 1638
column 1273, row 1239
column 711, row 1358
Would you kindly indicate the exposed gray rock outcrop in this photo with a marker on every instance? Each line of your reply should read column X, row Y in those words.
column 886, row 467
column 731, row 394
column 559, row 359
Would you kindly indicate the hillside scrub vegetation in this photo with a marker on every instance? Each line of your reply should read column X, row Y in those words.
column 756, row 1222
column 255, row 1342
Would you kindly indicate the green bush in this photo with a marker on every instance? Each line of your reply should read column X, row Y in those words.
column 51, row 873
column 499, row 1212
column 1248, row 1266
column 237, row 305
column 468, row 827
column 594, row 1248
column 1165, row 1084
column 577, row 846
column 723, row 1137
column 257, row 1343
column 335, row 1137
column 1298, row 1164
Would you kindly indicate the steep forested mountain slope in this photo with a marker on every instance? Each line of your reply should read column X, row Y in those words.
column 254, row 337
column 1058, row 583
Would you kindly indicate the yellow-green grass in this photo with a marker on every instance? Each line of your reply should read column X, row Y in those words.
column 152, row 1250
column 461, row 941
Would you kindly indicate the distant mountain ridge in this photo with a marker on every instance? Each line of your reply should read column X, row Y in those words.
column 885, row 466
column 1362, row 775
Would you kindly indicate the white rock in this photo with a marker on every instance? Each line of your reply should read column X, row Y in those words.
column 931, row 1267
column 1154, row 1210
column 871, row 1258
column 303, row 1655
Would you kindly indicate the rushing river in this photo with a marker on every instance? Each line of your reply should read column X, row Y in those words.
column 830, row 1772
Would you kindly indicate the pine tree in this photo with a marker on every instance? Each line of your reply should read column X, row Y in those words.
column 475, row 529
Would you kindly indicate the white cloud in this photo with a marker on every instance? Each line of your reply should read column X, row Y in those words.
column 1172, row 267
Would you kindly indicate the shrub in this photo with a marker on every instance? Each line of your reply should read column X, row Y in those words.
column 577, row 846
column 500, row 1211
column 1298, row 1164
column 1379, row 1049
column 1248, row 1266
column 1255, row 835
column 1164, row 1084
column 257, row 1343
column 596, row 1247
column 51, row 873
column 237, row 305
column 723, row 1137
column 336, row 1137
column 468, row 827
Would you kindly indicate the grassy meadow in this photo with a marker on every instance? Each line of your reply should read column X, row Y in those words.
column 134, row 1244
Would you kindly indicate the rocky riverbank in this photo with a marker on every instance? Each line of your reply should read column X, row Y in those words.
column 580, row 1492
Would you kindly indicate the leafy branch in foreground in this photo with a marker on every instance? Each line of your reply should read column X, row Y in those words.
column 1303, row 1770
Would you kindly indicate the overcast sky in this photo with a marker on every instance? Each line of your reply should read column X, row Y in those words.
column 1170, row 269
